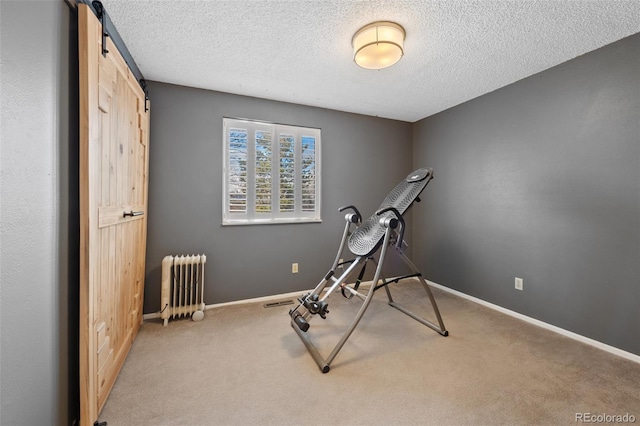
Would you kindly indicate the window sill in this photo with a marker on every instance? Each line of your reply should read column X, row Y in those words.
column 270, row 221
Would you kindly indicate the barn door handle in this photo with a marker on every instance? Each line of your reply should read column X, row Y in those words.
column 132, row 213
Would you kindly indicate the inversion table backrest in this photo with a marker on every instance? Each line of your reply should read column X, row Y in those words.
column 366, row 239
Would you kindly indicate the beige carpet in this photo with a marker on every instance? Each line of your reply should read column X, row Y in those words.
column 244, row 365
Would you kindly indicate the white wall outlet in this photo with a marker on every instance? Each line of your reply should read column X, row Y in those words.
column 294, row 268
column 519, row 284
column 339, row 264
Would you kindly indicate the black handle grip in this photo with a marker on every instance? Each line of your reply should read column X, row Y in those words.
column 299, row 320
column 400, row 219
column 132, row 213
column 358, row 215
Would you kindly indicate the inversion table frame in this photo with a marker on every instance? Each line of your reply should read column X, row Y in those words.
column 383, row 230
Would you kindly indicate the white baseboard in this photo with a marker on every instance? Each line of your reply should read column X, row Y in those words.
column 293, row 295
column 264, row 299
column 611, row 349
column 152, row 315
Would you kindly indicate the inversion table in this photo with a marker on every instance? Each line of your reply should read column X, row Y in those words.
column 384, row 230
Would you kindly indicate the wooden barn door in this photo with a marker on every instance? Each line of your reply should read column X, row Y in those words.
column 114, row 155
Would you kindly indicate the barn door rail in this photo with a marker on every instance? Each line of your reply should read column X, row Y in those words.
column 143, row 84
column 109, row 30
column 102, row 14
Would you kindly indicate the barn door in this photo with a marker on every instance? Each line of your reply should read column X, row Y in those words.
column 114, row 154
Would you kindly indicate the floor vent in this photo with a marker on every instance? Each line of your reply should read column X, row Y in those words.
column 278, row 303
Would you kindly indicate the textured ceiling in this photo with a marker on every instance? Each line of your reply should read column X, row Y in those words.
column 300, row 51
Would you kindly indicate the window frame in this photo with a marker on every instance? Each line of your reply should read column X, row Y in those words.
column 251, row 216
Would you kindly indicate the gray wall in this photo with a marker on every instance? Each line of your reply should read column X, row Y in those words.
column 363, row 158
column 541, row 180
column 38, row 215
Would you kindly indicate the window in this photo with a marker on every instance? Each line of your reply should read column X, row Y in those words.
column 271, row 173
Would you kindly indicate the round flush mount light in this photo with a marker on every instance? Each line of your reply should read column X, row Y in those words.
column 378, row 45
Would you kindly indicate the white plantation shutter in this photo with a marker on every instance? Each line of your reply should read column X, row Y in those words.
column 271, row 173
column 308, row 174
column 287, row 176
column 264, row 172
column 237, row 193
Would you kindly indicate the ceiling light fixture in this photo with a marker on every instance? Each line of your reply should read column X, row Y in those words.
column 378, row 45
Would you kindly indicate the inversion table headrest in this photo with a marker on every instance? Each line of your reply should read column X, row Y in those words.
column 366, row 239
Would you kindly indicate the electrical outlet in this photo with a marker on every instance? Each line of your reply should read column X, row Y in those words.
column 294, row 268
column 340, row 266
column 519, row 284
